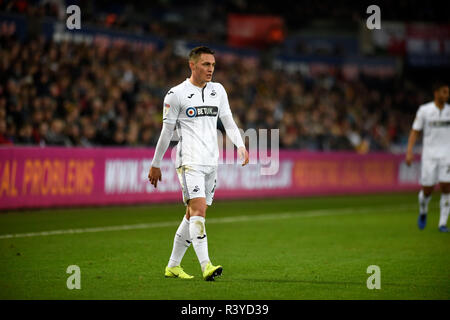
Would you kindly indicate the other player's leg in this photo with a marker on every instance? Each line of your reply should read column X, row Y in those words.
column 444, row 206
column 424, row 200
column 428, row 178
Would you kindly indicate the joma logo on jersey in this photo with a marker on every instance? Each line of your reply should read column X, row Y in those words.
column 206, row 111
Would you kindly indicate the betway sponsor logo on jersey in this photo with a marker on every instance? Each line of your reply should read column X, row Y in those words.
column 204, row 111
column 440, row 123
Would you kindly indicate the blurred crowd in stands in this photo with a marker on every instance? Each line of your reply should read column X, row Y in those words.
column 77, row 95
column 205, row 20
column 68, row 94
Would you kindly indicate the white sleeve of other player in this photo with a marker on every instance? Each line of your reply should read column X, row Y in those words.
column 224, row 107
column 171, row 108
column 419, row 121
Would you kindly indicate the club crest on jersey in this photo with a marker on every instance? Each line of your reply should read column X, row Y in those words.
column 191, row 112
column 166, row 110
column 213, row 94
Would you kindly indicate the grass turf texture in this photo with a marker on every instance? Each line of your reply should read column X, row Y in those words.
column 319, row 248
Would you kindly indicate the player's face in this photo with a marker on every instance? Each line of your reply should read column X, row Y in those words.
column 203, row 68
column 442, row 94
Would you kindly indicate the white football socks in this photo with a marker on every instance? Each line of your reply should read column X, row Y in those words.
column 445, row 209
column 199, row 240
column 181, row 243
column 423, row 202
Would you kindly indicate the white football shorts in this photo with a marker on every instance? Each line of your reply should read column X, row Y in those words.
column 434, row 171
column 197, row 182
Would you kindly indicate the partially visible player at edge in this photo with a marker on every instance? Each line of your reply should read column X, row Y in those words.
column 193, row 108
column 434, row 119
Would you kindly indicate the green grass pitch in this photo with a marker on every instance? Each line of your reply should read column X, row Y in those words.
column 294, row 248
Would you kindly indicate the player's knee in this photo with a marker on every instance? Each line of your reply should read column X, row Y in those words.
column 198, row 212
column 427, row 191
column 445, row 199
column 445, row 188
column 197, row 207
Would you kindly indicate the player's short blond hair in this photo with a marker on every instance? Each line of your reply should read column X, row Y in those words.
column 197, row 51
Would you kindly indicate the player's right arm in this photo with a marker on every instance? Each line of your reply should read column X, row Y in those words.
column 170, row 116
column 413, row 135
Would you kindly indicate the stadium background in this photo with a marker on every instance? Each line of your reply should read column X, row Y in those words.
column 77, row 103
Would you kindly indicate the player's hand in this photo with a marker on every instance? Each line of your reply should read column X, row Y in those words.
column 243, row 155
column 154, row 176
column 409, row 158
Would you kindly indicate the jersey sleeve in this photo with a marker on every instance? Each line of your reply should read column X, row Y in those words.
column 163, row 144
column 171, row 108
column 232, row 130
column 419, row 121
column 224, row 107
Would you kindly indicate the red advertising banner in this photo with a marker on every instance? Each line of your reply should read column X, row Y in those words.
column 45, row 177
column 254, row 30
column 424, row 44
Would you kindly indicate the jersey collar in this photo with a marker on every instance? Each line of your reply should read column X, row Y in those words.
column 194, row 86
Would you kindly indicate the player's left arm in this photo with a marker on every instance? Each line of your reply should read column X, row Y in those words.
column 235, row 136
column 231, row 128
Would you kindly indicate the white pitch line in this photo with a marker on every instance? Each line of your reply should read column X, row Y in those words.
column 261, row 217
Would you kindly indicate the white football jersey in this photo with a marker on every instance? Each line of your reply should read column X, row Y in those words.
column 194, row 110
column 435, row 124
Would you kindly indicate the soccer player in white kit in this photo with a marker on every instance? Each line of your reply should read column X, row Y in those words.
column 433, row 119
column 193, row 107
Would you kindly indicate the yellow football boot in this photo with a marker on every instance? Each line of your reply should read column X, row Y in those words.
column 177, row 272
column 211, row 272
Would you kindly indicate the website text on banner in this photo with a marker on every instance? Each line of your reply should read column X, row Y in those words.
column 46, row 177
